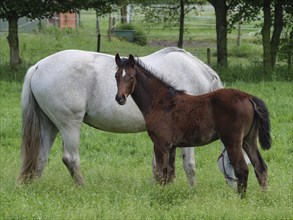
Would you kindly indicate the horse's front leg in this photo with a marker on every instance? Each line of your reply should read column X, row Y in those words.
column 162, row 162
column 171, row 165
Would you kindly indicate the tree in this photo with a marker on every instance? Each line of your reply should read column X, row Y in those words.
column 277, row 17
column 181, row 23
column 278, row 26
column 38, row 9
column 266, row 36
column 221, row 28
column 169, row 12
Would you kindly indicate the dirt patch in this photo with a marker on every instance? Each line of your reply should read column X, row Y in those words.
column 202, row 44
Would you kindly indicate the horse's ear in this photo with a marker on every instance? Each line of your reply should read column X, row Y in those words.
column 131, row 60
column 118, row 60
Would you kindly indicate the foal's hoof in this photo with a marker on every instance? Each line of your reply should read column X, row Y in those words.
column 25, row 179
column 242, row 193
column 163, row 182
column 78, row 180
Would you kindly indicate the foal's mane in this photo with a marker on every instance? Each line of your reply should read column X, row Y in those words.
column 150, row 74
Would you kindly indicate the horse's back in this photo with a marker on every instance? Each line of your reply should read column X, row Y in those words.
column 232, row 109
column 183, row 70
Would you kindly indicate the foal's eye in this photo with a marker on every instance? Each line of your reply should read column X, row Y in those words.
column 131, row 78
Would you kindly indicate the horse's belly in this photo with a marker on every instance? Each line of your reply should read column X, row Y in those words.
column 119, row 122
column 196, row 135
column 116, row 127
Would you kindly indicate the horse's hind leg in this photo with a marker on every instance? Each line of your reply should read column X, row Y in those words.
column 48, row 136
column 234, row 151
column 70, row 137
column 260, row 167
column 189, row 163
column 251, row 148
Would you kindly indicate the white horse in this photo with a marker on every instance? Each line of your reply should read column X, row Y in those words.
column 70, row 87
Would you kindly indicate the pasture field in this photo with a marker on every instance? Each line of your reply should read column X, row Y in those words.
column 117, row 171
column 117, row 167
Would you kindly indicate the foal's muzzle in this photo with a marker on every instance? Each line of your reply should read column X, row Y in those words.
column 120, row 99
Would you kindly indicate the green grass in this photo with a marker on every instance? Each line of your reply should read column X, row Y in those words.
column 117, row 171
column 117, row 167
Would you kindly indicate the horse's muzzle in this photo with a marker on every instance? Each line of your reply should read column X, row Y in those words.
column 120, row 99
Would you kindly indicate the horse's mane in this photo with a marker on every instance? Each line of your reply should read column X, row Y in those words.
column 148, row 72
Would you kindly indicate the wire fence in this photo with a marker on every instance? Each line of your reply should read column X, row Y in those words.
column 199, row 37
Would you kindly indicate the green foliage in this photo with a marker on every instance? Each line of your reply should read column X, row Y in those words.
column 167, row 13
column 139, row 35
column 253, row 73
column 45, row 8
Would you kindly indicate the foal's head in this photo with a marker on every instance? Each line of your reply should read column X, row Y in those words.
column 125, row 78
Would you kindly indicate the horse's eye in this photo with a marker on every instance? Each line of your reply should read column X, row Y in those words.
column 131, row 78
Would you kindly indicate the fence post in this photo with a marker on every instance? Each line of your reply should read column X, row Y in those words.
column 110, row 27
column 239, row 32
column 289, row 60
column 209, row 56
column 99, row 42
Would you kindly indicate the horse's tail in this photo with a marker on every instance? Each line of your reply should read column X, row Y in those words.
column 264, row 123
column 31, row 130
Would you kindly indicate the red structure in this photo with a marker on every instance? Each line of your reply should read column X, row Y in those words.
column 65, row 20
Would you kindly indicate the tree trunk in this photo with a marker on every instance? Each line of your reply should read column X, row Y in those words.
column 278, row 27
column 290, row 49
column 221, row 28
column 239, row 32
column 266, row 37
column 123, row 12
column 13, row 41
column 181, row 24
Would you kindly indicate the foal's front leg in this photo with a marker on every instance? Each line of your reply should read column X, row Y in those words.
column 171, row 164
column 162, row 161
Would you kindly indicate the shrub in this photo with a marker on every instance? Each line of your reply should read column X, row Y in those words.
column 253, row 73
column 139, row 36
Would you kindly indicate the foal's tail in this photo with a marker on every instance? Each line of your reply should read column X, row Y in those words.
column 264, row 123
column 31, row 130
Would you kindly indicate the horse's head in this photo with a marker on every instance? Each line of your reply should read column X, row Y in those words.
column 125, row 78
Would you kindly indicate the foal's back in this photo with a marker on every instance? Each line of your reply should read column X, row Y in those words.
column 198, row 120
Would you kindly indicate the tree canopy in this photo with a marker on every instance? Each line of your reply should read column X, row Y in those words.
column 38, row 9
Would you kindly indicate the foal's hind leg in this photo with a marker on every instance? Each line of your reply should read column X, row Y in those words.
column 70, row 137
column 251, row 148
column 234, row 151
column 260, row 167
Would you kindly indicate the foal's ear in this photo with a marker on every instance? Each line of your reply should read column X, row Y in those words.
column 118, row 60
column 131, row 60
